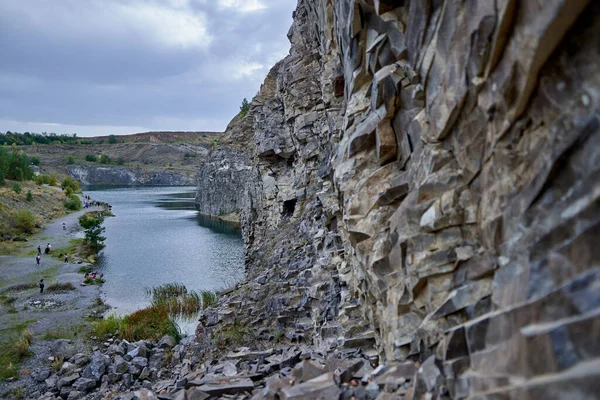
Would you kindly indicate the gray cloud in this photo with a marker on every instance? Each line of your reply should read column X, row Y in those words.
column 124, row 66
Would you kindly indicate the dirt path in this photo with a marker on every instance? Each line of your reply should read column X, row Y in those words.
column 53, row 314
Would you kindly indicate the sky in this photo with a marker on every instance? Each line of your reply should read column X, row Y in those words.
column 99, row 67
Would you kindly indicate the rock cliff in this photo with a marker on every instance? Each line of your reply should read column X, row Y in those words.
column 422, row 177
column 92, row 175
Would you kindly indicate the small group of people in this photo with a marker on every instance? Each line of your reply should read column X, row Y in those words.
column 47, row 250
column 93, row 275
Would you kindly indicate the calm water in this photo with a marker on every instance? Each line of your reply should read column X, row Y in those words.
column 158, row 237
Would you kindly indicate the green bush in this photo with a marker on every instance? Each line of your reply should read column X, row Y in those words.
column 73, row 203
column 17, row 187
column 52, row 179
column 29, row 195
column 104, row 159
column 25, row 221
column 70, row 160
column 35, row 160
column 91, row 157
column 2, row 181
column 42, row 179
column 70, row 183
column 112, row 139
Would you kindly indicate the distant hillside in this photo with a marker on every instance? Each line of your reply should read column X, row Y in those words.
column 28, row 138
column 161, row 137
column 144, row 158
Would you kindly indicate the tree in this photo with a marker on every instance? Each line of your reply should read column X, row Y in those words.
column 244, row 107
column 93, row 231
column 29, row 195
column 112, row 139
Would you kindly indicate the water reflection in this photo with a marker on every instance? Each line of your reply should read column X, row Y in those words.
column 217, row 225
column 157, row 237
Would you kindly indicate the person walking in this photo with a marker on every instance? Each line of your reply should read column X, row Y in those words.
column 39, row 249
column 37, row 259
column 66, row 258
column 42, row 286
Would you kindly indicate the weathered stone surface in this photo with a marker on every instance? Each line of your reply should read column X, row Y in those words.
column 97, row 367
column 84, row 384
column 423, row 174
column 321, row 387
column 227, row 386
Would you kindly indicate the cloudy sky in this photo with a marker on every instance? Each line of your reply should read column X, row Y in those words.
column 96, row 67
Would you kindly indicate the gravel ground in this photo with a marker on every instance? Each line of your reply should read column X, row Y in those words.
column 51, row 313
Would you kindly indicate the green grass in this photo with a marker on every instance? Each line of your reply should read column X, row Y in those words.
column 179, row 301
column 108, row 326
column 63, row 333
column 19, row 287
column 8, row 303
column 60, row 287
column 11, row 248
column 13, row 348
column 150, row 323
column 235, row 335
column 209, row 298
column 72, row 249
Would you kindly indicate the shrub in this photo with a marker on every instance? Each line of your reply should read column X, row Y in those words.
column 104, row 159
column 17, row 187
column 70, row 160
column 52, row 179
column 35, row 160
column 2, row 181
column 57, row 363
column 29, row 195
column 42, row 179
column 22, row 345
column 25, row 221
column 91, row 158
column 112, row 139
column 73, row 203
column 71, row 183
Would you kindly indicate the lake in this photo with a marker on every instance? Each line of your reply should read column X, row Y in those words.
column 158, row 237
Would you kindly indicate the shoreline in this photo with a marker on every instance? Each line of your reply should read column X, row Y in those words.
column 63, row 311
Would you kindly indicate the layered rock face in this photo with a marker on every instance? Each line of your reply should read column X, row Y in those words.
column 223, row 174
column 425, row 177
column 91, row 175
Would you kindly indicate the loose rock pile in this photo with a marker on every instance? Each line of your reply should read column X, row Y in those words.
column 166, row 371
